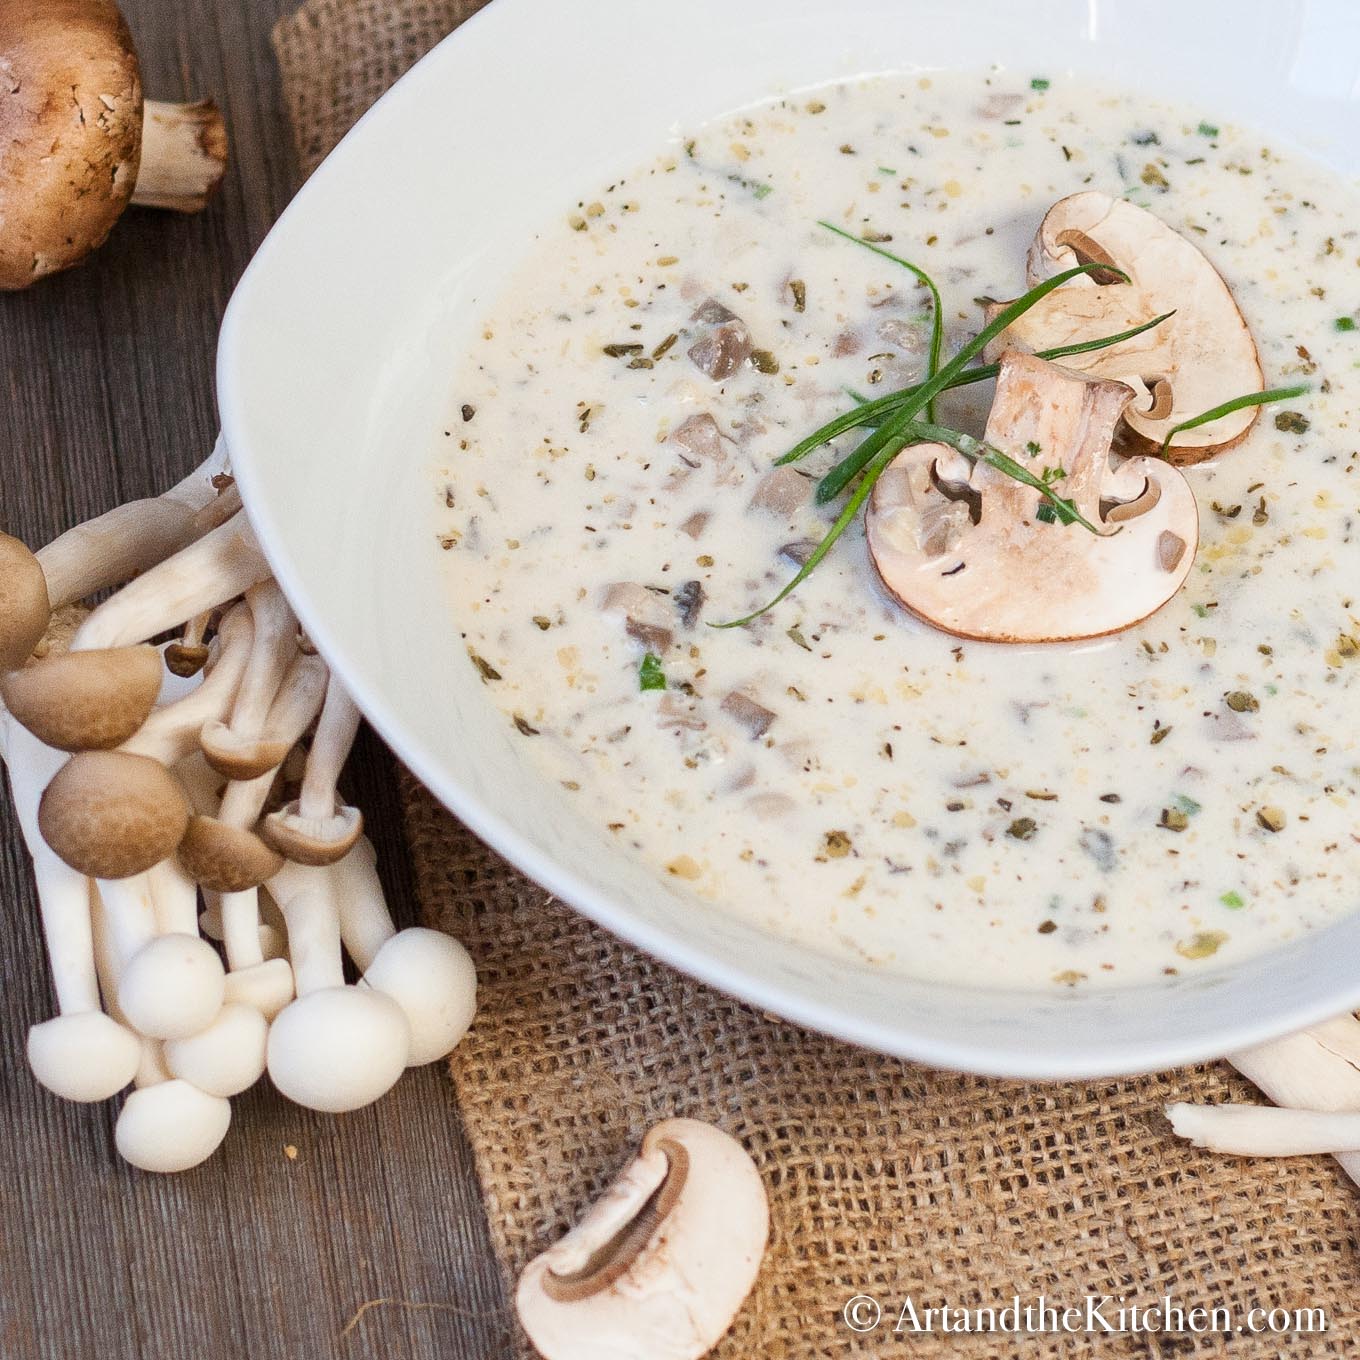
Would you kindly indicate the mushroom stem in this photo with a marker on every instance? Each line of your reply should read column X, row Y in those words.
column 222, row 564
column 336, row 1047
column 171, row 985
column 316, row 828
column 81, row 1053
column 427, row 973
column 330, row 749
column 184, row 155
column 102, row 552
column 234, row 748
column 1266, row 1130
column 224, row 853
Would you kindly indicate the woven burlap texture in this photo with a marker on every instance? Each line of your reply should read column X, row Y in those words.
column 885, row 1178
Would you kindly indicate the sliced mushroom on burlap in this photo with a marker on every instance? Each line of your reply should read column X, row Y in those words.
column 318, row 827
column 78, row 141
column 1197, row 359
column 663, row 1260
column 1017, row 574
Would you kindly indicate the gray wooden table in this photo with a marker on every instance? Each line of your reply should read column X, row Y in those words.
column 305, row 1235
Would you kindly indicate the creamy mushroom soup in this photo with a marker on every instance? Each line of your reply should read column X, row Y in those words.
column 1163, row 800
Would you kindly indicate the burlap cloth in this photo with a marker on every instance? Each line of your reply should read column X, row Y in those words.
column 885, row 1178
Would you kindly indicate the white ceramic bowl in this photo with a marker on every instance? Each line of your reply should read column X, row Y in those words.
column 334, row 371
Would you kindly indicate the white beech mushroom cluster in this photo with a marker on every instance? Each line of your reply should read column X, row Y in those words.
column 182, row 796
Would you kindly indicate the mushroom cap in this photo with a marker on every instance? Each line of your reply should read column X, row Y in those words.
column 1011, row 577
column 86, row 700
column 339, row 1048
column 70, row 132
column 1205, row 352
column 225, row 1058
column 314, row 841
column 237, row 756
column 24, row 605
column 112, row 815
column 171, row 1126
column 661, row 1263
column 267, row 987
column 432, row 978
column 86, row 1056
column 226, row 858
column 173, row 987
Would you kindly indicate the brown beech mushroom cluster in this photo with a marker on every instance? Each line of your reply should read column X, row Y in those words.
column 973, row 551
column 1196, row 360
column 146, row 778
column 663, row 1260
column 78, row 142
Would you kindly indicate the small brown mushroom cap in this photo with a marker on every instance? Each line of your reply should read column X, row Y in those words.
column 225, row 858
column 1199, row 358
column 85, row 700
column 112, row 815
column 315, row 841
column 24, row 606
column 70, row 132
column 966, row 549
column 240, row 757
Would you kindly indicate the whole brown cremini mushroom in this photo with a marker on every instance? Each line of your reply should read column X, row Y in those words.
column 77, row 141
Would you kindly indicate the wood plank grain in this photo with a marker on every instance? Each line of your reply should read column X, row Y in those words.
column 371, row 1239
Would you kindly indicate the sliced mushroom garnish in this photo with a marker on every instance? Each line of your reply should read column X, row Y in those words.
column 662, row 1261
column 1199, row 358
column 1019, row 574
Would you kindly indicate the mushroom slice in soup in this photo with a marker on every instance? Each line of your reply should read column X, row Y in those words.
column 1197, row 359
column 1014, row 574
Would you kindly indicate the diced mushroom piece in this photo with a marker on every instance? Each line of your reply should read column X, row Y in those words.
column 696, row 523
column 689, row 600
column 1200, row 358
column 725, row 343
column 1016, row 575
column 646, row 615
column 798, row 551
column 754, row 717
column 782, row 492
column 701, row 440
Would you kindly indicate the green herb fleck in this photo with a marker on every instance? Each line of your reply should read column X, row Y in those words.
column 1292, row 422
column 650, row 674
column 1234, row 900
column 836, row 845
column 485, row 668
column 522, row 725
column 619, row 351
column 1187, row 805
column 1242, row 701
column 1040, row 83
column 1207, row 130
column 763, row 361
column 1173, row 819
column 1022, row 828
column 1345, row 323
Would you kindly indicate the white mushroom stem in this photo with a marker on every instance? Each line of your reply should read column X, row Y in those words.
column 427, row 973
column 115, row 547
column 330, row 749
column 81, row 1054
column 336, row 1047
column 234, row 747
column 172, row 731
column 215, row 568
column 166, row 1124
column 316, row 828
column 1266, row 1130
column 184, row 155
column 171, row 985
